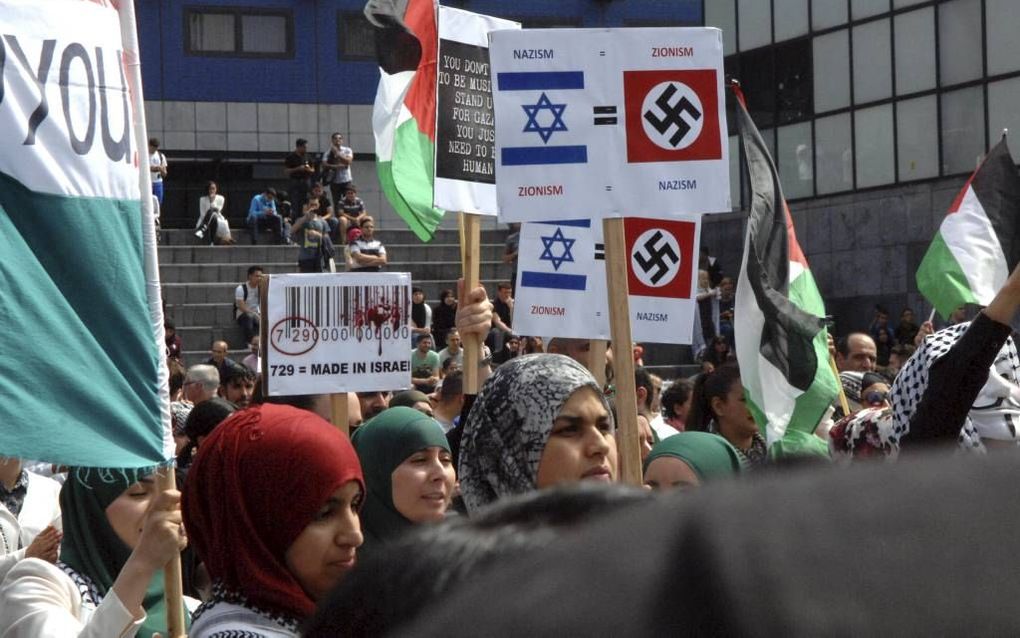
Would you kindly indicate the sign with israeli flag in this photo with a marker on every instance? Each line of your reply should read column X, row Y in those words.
column 610, row 122
column 561, row 279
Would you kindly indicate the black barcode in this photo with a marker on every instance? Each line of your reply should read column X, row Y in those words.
column 343, row 306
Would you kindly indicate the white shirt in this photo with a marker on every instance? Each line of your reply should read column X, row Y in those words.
column 252, row 299
column 40, row 509
column 157, row 159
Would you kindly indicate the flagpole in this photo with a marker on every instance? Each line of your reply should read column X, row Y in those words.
column 628, row 447
column 470, row 247
column 166, row 478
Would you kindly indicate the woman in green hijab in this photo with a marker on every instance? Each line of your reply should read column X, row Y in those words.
column 689, row 459
column 118, row 534
column 409, row 475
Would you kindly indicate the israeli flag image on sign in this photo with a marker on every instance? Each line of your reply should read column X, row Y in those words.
column 609, row 122
column 561, row 285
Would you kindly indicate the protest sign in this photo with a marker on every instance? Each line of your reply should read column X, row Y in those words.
column 79, row 280
column 465, row 178
column 561, row 280
column 611, row 122
column 338, row 332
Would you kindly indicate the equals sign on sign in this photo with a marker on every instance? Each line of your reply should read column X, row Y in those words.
column 600, row 252
column 604, row 115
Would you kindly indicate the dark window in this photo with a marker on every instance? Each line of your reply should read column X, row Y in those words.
column 355, row 36
column 794, row 87
column 756, row 74
column 238, row 32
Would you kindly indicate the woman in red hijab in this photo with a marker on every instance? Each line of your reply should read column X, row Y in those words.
column 271, row 506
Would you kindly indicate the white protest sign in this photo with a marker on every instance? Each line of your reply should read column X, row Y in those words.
column 561, row 280
column 611, row 122
column 465, row 178
column 338, row 332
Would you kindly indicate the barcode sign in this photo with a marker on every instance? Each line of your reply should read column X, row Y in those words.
column 338, row 332
column 350, row 307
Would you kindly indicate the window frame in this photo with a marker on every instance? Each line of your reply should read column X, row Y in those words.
column 344, row 18
column 238, row 13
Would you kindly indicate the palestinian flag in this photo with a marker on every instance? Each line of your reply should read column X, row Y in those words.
column 978, row 244
column 404, row 117
column 82, row 378
column 780, row 336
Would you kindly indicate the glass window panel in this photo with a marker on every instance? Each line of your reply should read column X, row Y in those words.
column 795, row 160
column 755, row 24
column 264, row 33
column 735, row 166
column 872, row 62
column 758, row 81
column 1003, row 98
column 833, row 154
column 864, row 8
column 1002, row 20
column 211, row 32
column 915, row 51
column 794, row 81
column 832, row 71
column 356, row 38
column 769, row 135
column 897, row 4
column 960, row 41
column 828, row 13
column 917, row 139
column 875, row 141
column 723, row 14
column 963, row 130
column 791, row 18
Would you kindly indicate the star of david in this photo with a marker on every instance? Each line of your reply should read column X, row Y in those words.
column 557, row 238
column 532, row 110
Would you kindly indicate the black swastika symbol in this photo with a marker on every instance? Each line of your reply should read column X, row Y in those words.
column 655, row 257
column 672, row 115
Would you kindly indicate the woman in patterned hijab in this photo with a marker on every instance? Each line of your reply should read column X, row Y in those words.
column 540, row 420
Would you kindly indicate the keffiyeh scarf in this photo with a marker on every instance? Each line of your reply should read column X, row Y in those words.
column 509, row 425
column 996, row 411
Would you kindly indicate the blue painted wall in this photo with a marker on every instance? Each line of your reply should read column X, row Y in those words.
column 316, row 74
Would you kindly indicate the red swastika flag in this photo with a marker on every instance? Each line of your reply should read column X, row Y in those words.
column 661, row 257
column 672, row 115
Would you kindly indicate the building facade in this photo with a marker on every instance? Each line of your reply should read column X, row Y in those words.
column 876, row 111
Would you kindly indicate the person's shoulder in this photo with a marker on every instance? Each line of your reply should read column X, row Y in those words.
column 37, row 571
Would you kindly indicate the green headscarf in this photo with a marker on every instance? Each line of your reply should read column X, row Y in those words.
column 383, row 443
column 709, row 455
column 92, row 548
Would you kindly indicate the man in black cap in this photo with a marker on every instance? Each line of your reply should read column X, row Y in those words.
column 298, row 168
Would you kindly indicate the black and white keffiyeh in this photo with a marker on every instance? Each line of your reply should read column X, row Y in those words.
column 509, row 425
column 996, row 411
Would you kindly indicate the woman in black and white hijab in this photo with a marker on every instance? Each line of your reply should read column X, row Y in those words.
column 540, row 420
column 963, row 383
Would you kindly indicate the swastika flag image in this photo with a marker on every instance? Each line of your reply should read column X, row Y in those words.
column 609, row 122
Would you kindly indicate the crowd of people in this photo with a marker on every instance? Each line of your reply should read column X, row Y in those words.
column 441, row 503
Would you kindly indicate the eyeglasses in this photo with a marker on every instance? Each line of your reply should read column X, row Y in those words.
column 876, row 397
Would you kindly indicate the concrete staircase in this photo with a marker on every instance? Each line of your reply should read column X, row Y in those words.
column 199, row 281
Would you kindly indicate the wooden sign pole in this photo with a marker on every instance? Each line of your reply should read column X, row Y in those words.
column 341, row 416
column 597, row 360
column 627, row 443
column 470, row 252
column 172, row 582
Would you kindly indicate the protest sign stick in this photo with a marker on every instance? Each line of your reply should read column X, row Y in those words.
column 264, row 335
column 470, row 249
column 597, row 360
column 623, row 363
column 340, row 412
column 839, row 384
column 167, row 479
column 174, row 586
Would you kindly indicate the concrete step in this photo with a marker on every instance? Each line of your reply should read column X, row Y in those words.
column 388, row 234
column 201, row 314
column 196, row 355
column 202, row 336
column 214, row 273
column 204, row 294
column 251, row 255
